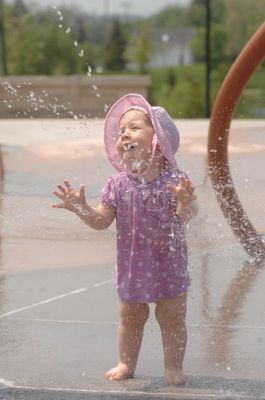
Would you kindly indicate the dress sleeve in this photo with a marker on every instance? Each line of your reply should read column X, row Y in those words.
column 109, row 194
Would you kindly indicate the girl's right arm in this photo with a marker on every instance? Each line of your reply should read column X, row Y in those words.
column 98, row 218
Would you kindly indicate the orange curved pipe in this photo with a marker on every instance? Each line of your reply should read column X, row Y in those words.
column 229, row 94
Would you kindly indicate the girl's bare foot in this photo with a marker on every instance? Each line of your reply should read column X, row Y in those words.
column 174, row 376
column 119, row 373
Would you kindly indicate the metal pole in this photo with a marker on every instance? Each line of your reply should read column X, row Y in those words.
column 3, row 65
column 208, row 58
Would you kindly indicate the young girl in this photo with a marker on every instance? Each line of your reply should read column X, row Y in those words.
column 151, row 201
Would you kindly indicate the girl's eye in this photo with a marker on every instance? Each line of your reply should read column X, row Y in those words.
column 121, row 131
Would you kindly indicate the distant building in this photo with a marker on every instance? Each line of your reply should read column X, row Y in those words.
column 171, row 47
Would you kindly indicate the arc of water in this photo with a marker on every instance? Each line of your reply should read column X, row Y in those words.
column 229, row 94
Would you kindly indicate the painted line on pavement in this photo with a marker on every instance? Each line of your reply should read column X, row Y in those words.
column 61, row 296
column 88, row 322
column 5, row 382
column 63, row 321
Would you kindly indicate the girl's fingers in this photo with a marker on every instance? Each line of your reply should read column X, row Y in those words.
column 185, row 183
column 184, row 188
column 60, row 205
column 67, row 184
column 190, row 190
column 61, row 196
column 82, row 192
column 172, row 188
column 60, row 187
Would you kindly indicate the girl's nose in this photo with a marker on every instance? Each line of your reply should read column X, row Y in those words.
column 125, row 134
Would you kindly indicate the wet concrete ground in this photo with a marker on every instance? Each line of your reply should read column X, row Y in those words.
column 58, row 307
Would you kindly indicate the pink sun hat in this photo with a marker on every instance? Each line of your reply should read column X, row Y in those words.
column 167, row 134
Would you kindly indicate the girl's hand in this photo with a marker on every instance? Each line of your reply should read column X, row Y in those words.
column 73, row 200
column 184, row 194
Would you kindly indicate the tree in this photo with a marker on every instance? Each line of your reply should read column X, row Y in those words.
column 142, row 52
column 114, row 59
column 20, row 8
column 139, row 49
column 243, row 19
column 38, row 48
column 170, row 17
column 3, row 63
column 219, row 39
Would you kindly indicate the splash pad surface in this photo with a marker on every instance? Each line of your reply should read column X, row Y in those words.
column 55, row 342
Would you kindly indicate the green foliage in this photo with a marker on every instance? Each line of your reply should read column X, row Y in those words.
column 60, row 54
column 219, row 38
column 233, row 22
column 251, row 103
column 139, row 48
column 38, row 49
column 114, row 59
column 196, row 12
column 170, row 17
column 36, row 44
column 142, row 52
column 19, row 8
column 243, row 17
column 179, row 90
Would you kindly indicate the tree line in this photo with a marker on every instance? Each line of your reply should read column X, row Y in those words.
column 53, row 41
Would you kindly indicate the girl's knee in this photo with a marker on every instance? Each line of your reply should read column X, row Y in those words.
column 171, row 311
column 134, row 314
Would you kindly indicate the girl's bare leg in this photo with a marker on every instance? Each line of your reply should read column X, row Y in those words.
column 130, row 333
column 170, row 314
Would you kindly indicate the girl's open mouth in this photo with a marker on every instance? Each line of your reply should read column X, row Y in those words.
column 129, row 146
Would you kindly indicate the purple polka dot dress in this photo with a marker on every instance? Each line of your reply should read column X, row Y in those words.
column 151, row 247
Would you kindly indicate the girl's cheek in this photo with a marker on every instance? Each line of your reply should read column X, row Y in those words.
column 118, row 143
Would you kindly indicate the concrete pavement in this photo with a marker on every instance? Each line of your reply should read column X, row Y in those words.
column 58, row 308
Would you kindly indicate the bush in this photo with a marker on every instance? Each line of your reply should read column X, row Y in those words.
column 181, row 90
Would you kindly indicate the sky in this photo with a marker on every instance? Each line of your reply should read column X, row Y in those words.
column 100, row 7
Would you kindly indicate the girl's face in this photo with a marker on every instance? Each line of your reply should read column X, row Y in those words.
column 134, row 144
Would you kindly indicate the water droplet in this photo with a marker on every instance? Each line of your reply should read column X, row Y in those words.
column 89, row 70
column 165, row 38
